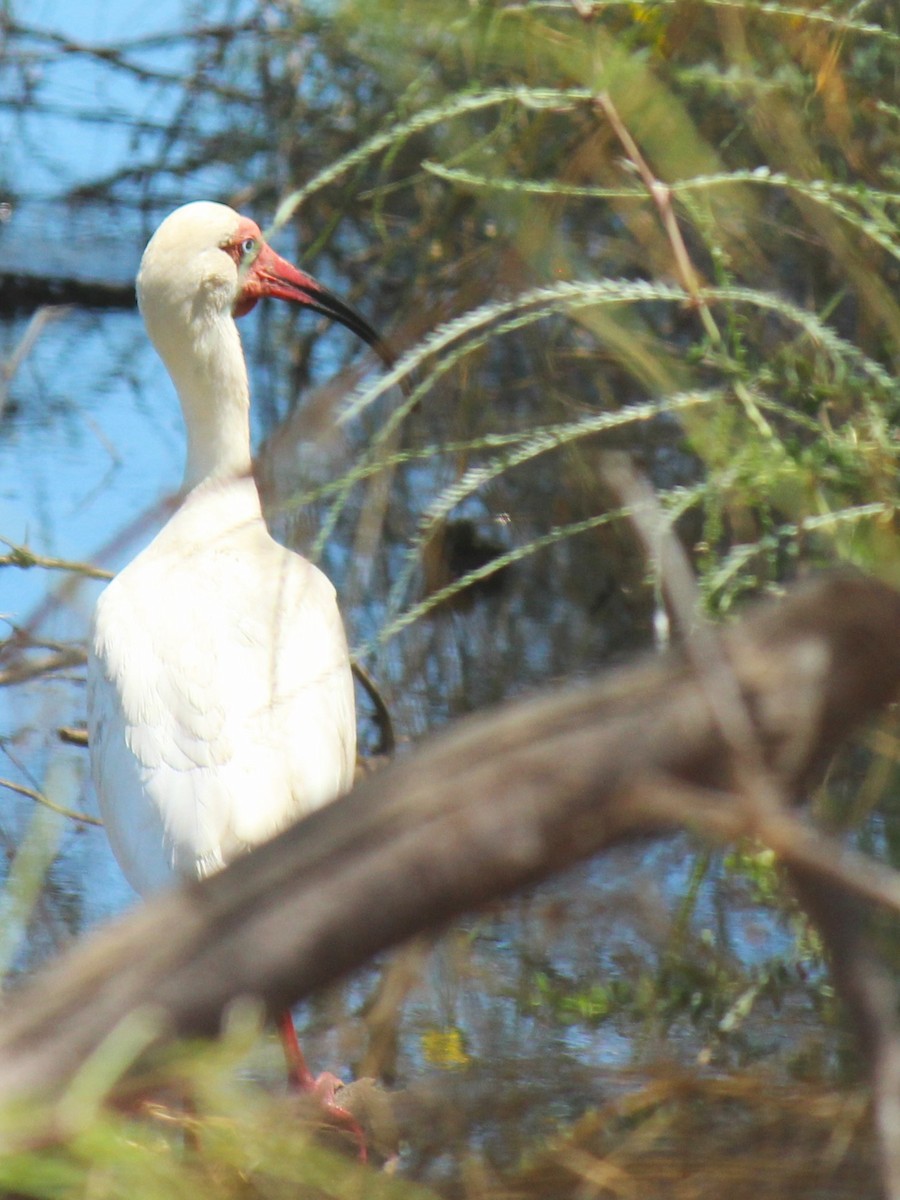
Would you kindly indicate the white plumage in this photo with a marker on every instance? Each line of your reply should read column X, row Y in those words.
column 220, row 697
column 221, row 700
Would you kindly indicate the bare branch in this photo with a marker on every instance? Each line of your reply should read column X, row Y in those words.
column 871, row 998
column 22, row 556
column 60, row 658
column 661, row 195
column 40, row 798
column 495, row 804
column 41, row 318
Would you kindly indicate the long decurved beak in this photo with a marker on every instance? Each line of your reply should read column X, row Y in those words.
column 272, row 275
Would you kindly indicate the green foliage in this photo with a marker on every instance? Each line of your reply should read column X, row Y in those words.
column 747, row 252
column 210, row 1132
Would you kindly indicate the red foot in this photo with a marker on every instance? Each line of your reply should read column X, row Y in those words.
column 323, row 1086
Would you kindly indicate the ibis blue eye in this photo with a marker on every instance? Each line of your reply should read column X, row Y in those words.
column 248, row 247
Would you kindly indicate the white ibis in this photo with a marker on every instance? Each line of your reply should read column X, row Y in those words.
column 220, row 698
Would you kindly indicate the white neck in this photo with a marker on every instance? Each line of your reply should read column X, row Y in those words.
column 206, row 362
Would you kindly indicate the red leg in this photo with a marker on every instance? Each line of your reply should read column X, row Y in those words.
column 299, row 1073
column 323, row 1086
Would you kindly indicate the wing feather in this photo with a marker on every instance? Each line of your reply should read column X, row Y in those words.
column 220, row 695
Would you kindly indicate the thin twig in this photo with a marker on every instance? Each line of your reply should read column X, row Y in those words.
column 25, row 670
column 72, row 736
column 661, row 195
column 702, row 640
column 387, row 741
column 41, row 318
column 870, row 995
column 725, row 817
column 24, row 557
column 40, row 798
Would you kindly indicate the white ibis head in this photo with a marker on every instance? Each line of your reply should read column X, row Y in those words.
column 206, row 262
column 204, row 266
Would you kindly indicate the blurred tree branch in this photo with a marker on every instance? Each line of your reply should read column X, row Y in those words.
column 40, row 798
column 23, row 557
column 497, row 803
column 21, row 669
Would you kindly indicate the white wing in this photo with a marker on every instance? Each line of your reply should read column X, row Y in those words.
column 220, row 702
